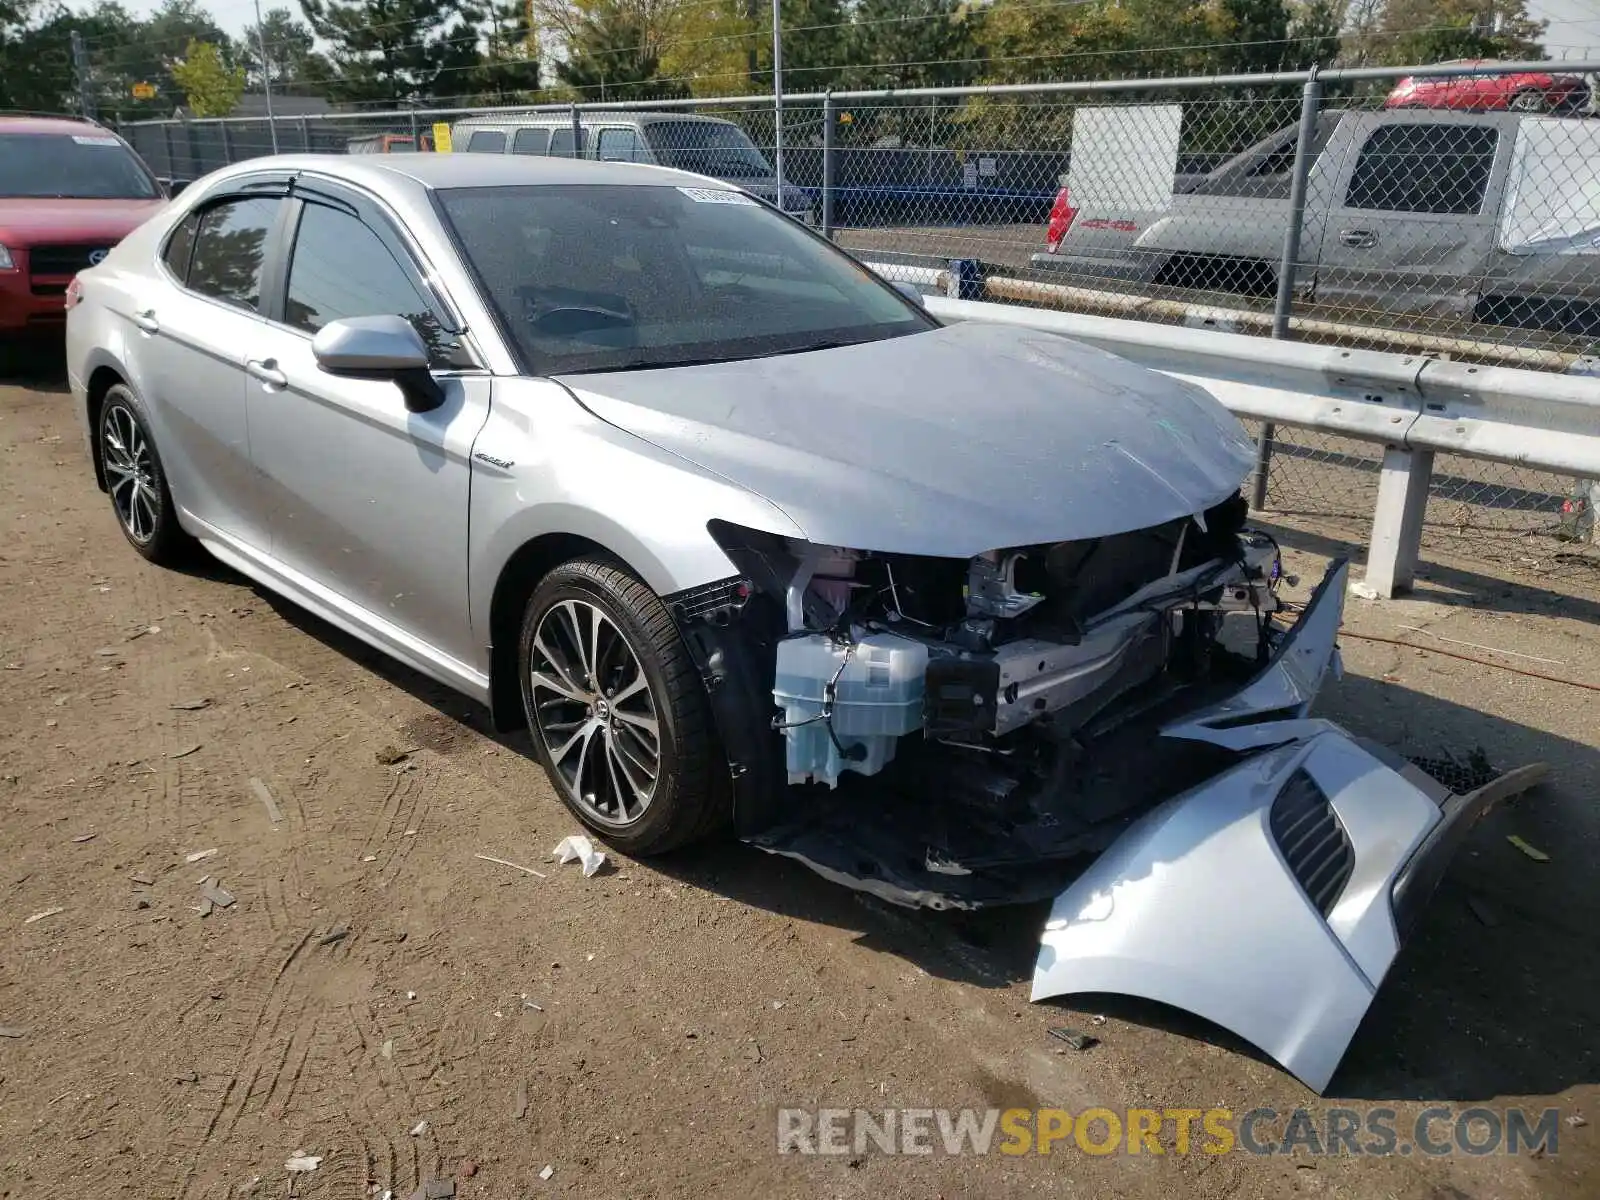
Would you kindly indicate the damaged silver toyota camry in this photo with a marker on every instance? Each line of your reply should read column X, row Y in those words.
column 958, row 615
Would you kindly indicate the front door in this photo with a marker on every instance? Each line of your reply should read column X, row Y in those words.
column 1406, row 225
column 368, row 501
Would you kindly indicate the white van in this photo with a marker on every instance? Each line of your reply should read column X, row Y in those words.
column 684, row 141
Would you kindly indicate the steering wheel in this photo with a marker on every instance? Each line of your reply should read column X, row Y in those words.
column 570, row 319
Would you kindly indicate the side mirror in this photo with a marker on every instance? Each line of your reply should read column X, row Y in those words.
column 911, row 292
column 175, row 186
column 387, row 347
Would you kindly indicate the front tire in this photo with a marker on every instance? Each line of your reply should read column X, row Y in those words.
column 617, row 711
column 137, row 482
column 1530, row 101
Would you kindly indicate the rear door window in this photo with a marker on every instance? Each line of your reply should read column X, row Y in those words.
column 561, row 142
column 619, row 145
column 179, row 246
column 229, row 248
column 530, row 141
column 1269, row 174
column 487, row 141
column 1424, row 169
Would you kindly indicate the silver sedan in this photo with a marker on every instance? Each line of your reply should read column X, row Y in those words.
column 744, row 537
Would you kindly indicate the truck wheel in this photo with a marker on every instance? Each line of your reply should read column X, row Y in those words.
column 617, row 711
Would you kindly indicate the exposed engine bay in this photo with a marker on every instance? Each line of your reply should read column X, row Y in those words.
column 957, row 732
column 1120, row 725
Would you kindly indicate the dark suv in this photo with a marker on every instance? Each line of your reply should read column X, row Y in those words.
column 69, row 190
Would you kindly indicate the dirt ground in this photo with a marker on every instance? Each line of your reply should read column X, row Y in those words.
column 368, row 998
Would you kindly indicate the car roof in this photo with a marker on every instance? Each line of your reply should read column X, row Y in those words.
column 435, row 171
column 587, row 116
column 31, row 123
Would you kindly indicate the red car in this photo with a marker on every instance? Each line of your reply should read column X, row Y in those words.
column 1523, row 91
column 69, row 191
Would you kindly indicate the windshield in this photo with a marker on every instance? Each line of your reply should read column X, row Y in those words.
column 705, row 148
column 606, row 277
column 82, row 165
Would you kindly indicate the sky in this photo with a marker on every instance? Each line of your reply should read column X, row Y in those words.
column 1574, row 24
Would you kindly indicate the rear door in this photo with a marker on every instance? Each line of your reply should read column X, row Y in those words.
column 620, row 143
column 368, row 500
column 561, row 142
column 486, row 141
column 191, row 332
column 1405, row 224
column 531, row 139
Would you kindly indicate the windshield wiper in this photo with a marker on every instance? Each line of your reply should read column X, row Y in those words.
column 650, row 364
column 666, row 364
column 827, row 344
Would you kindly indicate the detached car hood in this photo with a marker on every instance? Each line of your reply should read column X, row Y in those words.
column 952, row 442
column 29, row 221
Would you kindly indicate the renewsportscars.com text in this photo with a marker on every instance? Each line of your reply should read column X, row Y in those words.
column 1376, row 1131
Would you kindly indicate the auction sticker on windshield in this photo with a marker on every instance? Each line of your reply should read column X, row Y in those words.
column 715, row 196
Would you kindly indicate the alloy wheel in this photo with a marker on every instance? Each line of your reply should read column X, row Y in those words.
column 594, row 710
column 130, row 473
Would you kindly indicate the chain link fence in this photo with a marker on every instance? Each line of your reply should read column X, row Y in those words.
column 1328, row 209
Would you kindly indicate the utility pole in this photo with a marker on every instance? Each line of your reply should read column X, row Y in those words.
column 777, row 93
column 80, row 68
column 266, row 77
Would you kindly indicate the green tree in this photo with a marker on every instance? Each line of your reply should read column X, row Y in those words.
column 1413, row 32
column 613, row 53
column 394, row 51
column 293, row 63
column 1316, row 29
column 1256, row 34
column 814, row 45
column 510, row 68
column 912, row 43
column 1030, row 43
column 210, row 87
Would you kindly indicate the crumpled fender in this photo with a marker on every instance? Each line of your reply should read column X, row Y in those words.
column 1195, row 906
column 1271, row 709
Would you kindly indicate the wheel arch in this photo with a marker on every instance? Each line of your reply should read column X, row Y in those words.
column 523, row 570
column 102, row 379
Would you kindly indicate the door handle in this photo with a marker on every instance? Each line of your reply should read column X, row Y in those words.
column 266, row 370
column 146, row 321
column 1360, row 239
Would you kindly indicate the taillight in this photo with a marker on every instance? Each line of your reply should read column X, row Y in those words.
column 74, row 292
column 1062, row 214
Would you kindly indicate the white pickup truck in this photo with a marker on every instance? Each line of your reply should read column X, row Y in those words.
column 1492, row 217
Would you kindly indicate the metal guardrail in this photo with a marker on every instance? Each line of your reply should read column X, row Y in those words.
column 1412, row 405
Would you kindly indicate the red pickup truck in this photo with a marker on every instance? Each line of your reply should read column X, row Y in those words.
column 69, row 190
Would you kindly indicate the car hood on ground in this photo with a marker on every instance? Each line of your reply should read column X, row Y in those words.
column 36, row 220
column 952, row 442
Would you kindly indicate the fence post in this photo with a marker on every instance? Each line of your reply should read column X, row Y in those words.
column 964, row 280
column 828, row 119
column 416, row 131
column 577, row 133
column 227, row 144
column 192, row 145
column 305, row 135
column 1310, row 104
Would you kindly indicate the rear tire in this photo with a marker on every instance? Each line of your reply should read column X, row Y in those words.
column 616, row 709
column 137, row 482
column 1530, row 101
